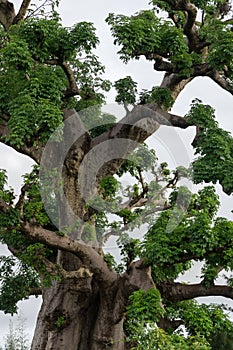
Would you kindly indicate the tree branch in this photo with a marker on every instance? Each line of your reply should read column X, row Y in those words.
column 137, row 126
column 189, row 27
column 222, row 81
column 22, row 11
column 163, row 66
column 88, row 256
column 167, row 324
column 73, row 89
column 175, row 291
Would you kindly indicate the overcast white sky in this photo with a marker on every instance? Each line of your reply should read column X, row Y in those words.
column 73, row 11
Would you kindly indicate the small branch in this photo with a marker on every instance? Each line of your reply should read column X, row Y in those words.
column 19, row 205
column 169, row 119
column 228, row 21
column 33, row 13
column 22, row 11
column 72, row 89
column 126, row 226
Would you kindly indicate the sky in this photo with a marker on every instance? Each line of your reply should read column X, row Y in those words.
column 73, row 11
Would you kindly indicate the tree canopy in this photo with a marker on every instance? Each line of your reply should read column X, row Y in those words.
column 75, row 199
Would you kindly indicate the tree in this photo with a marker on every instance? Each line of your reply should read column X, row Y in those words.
column 72, row 202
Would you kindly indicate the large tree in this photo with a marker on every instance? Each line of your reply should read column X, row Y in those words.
column 72, row 203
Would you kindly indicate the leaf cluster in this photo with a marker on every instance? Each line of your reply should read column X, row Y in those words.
column 214, row 147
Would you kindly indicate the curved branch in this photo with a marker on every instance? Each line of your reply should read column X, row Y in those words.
column 175, row 291
column 189, row 27
column 73, row 89
column 88, row 255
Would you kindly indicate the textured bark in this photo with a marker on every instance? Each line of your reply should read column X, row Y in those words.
column 82, row 312
column 78, row 314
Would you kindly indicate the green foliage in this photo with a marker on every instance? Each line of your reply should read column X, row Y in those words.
column 156, row 338
column 109, row 187
column 47, row 39
column 207, row 320
column 183, row 233
column 162, row 96
column 33, row 83
column 33, row 208
column 220, row 39
column 130, row 248
column 214, row 147
column 136, row 35
column 146, row 34
column 126, row 90
column 142, row 158
column 60, row 321
column 144, row 307
column 16, row 281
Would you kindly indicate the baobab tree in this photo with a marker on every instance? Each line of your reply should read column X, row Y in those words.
column 72, row 202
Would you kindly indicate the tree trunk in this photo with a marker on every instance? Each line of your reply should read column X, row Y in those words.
column 78, row 313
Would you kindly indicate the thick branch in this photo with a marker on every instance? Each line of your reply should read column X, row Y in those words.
column 222, row 81
column 189, row 27
column 163, row 66
column 22, row 11
column 89, row 256
column 135, row 128
column 174, row 291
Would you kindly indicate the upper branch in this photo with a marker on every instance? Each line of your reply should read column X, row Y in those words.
column 189, row 27
column 73, row 89
column 22, row 11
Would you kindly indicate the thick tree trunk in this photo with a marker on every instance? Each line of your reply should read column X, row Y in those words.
column 79, row 314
